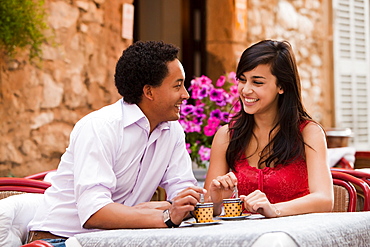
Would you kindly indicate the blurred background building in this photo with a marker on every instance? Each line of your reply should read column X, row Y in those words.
column 41, row 101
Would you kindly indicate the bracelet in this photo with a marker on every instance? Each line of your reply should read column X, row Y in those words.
column 277, row 211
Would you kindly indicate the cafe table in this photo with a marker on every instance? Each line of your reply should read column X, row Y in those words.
column 317, row 229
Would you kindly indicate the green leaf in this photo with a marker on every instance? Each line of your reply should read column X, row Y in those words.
column 22, row 23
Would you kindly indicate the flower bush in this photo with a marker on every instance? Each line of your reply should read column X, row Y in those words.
column 213, row 106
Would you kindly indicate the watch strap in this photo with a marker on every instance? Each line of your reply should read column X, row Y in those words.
column 170, row 224
column 168, row 220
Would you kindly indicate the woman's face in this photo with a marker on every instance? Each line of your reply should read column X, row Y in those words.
column 258, row 91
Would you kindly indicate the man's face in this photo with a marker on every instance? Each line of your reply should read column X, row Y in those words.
column 168, row 97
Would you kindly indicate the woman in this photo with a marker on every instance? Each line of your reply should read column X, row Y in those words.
column 271, row 150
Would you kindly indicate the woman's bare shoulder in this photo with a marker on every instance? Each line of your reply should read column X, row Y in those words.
column 313, row 128
column 224, row 129
column 222, row 134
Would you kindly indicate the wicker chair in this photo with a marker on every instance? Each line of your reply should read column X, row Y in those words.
column 27, row 185
column 5, row 194
column 345, row 199
column 358, row 192
column 159, row 195
column 356, row 173
column 19, row 199
column 14, row 186
column 365, row 176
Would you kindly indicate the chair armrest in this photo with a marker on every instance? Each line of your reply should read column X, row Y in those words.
column 8, row 181
column 356, row 181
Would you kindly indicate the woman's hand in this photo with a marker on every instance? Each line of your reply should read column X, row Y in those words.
column 222, row 187
column 257, row 202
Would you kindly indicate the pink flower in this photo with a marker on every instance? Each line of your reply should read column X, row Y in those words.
column 209, row 130
column 216, row 95
column 193, row 127
column 195, row 91
column 234, row 91
column 204, row 153
column 187, row 109
column 211, row 106
column 199, row 103
column 188, row 148
column 204, row 80
column 214, row 122
column 232, row 78
column 221, row 81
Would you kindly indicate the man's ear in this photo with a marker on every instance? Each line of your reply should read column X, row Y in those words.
column 147, row 91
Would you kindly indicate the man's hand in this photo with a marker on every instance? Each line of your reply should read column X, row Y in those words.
column 145, row 215
column 185, row 202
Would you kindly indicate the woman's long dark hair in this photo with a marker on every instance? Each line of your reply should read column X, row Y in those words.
column 287, row 145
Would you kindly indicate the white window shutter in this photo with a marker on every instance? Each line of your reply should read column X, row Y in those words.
column 352, row 69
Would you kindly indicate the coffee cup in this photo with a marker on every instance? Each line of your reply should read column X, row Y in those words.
column 232, row 207
column 203, row 212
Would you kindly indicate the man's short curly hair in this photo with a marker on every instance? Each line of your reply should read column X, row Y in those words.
column 142, row 63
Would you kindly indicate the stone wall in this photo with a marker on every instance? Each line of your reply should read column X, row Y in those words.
column 302, row 23
column 40, row 103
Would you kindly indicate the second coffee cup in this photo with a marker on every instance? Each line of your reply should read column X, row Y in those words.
column 232, row 207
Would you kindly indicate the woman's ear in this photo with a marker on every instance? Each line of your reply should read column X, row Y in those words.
column 147, row 91
column 281, row 90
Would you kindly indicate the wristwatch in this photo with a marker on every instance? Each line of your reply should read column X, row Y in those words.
column 167, row 219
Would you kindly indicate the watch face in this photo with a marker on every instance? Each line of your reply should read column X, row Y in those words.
column 166, row 215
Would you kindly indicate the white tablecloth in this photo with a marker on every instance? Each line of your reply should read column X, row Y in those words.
column 329, row 229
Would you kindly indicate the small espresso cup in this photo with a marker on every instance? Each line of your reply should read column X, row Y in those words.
column 203, row 212
column 232, row 207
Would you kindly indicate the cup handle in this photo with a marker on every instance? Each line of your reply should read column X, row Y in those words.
column 241, row 202
column 192, row 214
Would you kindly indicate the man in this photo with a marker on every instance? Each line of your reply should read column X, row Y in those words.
column 120, row 154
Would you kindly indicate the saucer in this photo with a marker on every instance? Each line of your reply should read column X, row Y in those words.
column 194, row 223
column 243, row 216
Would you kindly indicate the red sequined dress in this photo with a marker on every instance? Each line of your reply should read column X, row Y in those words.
column 280, row 183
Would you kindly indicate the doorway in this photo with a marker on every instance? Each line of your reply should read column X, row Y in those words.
column 180, row 22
